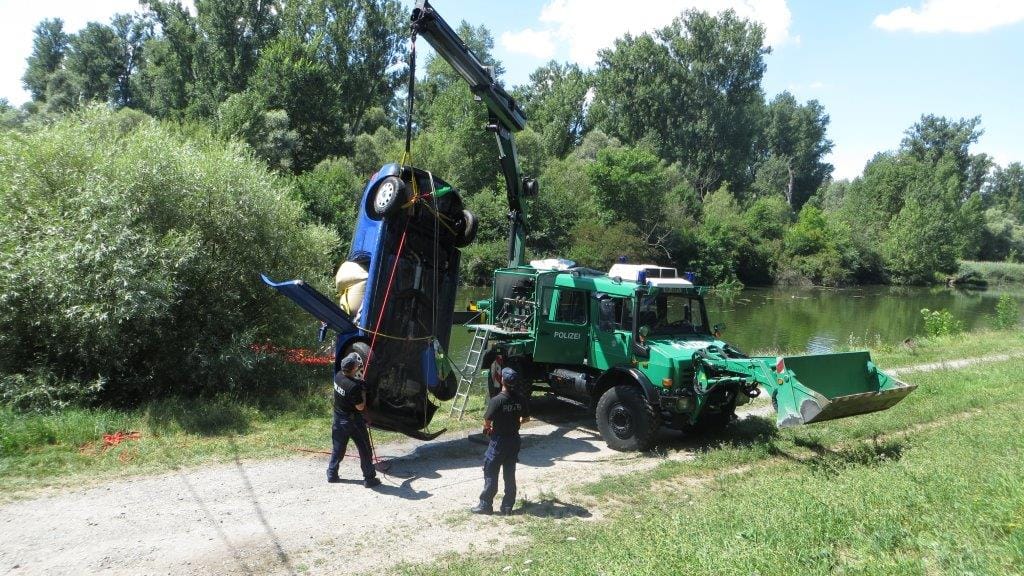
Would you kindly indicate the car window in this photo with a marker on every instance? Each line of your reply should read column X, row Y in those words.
column 566, row 305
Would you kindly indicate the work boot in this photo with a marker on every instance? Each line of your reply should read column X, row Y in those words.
column 372, row 482
column 333, row 479
column 506, row 510
column 481, row 508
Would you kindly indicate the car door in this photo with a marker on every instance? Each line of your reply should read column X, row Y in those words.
column 563, row 334
column 613, row 331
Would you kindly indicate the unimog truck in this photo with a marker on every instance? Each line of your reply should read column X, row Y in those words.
column 636, row 345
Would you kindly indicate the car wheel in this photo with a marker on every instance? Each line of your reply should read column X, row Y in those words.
column 625, row 419
column 466, row 229
column 387, row 198
column 361, row 348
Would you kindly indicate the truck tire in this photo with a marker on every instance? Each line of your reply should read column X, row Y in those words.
column 386, row 198
column 626, row 420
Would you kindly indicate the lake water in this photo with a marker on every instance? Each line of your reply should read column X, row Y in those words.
column 818, row 320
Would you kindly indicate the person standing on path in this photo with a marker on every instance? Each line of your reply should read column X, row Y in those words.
column 349, row 403
column 506, row 412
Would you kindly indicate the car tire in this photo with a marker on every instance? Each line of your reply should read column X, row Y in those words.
column 626, row 420
column 387, row 198
column 361, row 348
column 466, row 229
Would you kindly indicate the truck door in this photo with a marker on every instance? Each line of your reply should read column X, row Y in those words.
column 563, row 330
column 613, row 331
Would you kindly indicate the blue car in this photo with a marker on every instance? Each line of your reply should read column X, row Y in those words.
column 400, row 301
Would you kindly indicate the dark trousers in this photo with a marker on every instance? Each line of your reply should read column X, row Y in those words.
column 502, row 452
column 347, row 426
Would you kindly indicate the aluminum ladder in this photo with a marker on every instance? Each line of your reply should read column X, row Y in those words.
column 469, row 372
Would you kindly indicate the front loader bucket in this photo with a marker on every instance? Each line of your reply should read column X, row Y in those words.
column 829, row 386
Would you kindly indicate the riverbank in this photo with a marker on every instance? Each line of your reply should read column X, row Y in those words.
column 994, row 274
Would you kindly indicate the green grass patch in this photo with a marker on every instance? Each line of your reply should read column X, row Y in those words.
column 995, row 273
column 929, row 487
column 66, row 448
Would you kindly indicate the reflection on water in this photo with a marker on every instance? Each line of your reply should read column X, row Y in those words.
column 818, row 320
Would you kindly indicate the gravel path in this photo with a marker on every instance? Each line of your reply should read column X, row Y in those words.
column 281, row 517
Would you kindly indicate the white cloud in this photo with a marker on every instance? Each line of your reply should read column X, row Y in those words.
column 538, row 44
column 964, row 16
column 586, row 26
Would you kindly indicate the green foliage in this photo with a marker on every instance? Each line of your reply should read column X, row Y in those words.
column 554, row 101
column 130, row 258
column 694, row 82
column 244, row 116
column 48, row 49
column 1007, row 313
column 796, row 141
column 940, row 323
column 331, row 193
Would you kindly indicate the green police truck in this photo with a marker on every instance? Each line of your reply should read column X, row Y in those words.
column 636, row 345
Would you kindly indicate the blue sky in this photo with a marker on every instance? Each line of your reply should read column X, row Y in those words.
column 876, row 66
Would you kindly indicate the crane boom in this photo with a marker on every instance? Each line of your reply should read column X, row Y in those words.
column 505, row 116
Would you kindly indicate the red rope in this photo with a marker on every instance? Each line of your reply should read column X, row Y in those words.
column 387, row 294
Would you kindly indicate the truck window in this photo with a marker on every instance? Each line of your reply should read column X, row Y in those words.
column 566, row 305
column 616, row 313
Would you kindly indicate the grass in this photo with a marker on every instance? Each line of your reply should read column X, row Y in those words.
column 995, row 273
column 67, row 448
column 929, row 487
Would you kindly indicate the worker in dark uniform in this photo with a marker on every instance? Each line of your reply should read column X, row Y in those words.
column 505, row 414
column 349, row 403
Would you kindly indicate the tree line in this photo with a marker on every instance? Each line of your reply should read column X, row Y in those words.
column 667, row 150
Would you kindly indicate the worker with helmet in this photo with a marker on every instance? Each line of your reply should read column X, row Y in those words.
column 349, row 403
column 506, row 412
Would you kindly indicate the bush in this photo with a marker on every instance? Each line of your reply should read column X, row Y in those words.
column 1007, row 313
column 130, row 260
column 940, row 323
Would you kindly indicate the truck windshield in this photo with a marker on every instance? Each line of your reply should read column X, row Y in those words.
column 672, row 314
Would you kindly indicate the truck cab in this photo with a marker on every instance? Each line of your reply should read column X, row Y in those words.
column 579, row 333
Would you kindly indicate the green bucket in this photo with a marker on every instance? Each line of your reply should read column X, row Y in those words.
column 830, row 386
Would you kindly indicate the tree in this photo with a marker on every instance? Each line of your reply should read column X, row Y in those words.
column 166, row 76
column 1005, row 189
column 132, row 33
column 795, row 137
column 633, row 185
column 231, row 35
column 693, row 90
column 555, row 103
column 94, row 61
column 48, row 49
column 330, row 64
column 923, row 238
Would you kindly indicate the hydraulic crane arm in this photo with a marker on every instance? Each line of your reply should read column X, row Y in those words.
column 506, row 118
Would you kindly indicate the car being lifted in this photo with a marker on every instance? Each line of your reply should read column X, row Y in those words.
column 397, row 290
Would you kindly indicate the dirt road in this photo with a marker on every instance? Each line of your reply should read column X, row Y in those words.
column 281, row 517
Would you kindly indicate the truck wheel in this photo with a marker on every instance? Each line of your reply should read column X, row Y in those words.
column 626, row 420
column 386, row 198
column 466, row 229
